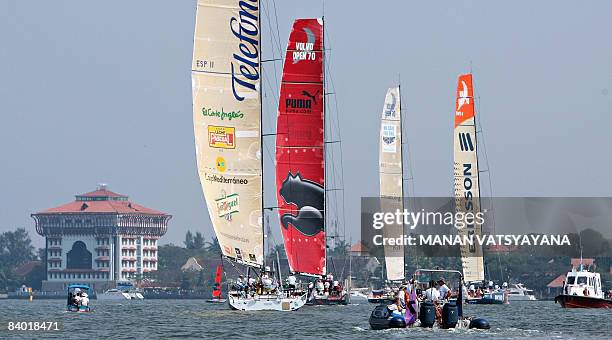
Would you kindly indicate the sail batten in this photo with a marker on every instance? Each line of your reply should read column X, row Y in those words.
column 300, row 152
column 466, row 176
column 226, row 86
column 391, row 179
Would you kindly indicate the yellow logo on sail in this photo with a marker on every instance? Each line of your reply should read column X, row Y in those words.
column 220, row 164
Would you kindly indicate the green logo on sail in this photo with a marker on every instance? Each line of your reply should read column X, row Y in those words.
column 208, row 112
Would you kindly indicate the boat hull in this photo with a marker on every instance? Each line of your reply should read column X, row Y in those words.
column 330, row 300
column 575, row 301
column 267, row 302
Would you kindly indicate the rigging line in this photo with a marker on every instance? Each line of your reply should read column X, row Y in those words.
column 272, row 45
column 277, row 30
column 331, row 78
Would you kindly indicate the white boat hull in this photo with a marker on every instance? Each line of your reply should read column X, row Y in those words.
column 267, row 302
column 521, row 298
column 117, row 296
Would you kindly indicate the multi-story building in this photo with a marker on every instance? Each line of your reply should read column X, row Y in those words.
column 99, row 238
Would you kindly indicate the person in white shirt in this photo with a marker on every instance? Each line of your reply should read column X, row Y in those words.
column 432, row 294
column 401, row 295
column 444, row 290
column 84, row 299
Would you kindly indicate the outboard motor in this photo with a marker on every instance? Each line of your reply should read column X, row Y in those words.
column 379, row 319
column 427, row 314
column 383, row 318
column 480, row 324
column 397, row 321
column 450, row 315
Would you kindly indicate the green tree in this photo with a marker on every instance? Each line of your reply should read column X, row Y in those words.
column 198, row 241
column 213, row 246
column 188, row 240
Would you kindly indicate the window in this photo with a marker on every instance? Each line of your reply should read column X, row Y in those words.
column 581, row 280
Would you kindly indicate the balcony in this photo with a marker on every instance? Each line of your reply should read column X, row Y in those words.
column 102, row 258
column 102, row 247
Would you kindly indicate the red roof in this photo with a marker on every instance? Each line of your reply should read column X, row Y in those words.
column 586, row 262
column 359, row 248
column 102, row 193
column 102, row 201
column 557, row 283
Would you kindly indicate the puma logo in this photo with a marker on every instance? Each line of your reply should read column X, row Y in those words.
column 309, row 197
column 311, row 96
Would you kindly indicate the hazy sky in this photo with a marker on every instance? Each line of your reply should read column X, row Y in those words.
column 96, row 92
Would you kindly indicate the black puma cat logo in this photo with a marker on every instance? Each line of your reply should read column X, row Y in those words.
column 311, row 96
column 309, row 197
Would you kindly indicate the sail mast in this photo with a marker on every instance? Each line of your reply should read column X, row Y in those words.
column 401, row 146
column 326, row 217
column 261, row 147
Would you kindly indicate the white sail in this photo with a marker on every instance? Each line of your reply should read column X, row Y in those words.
column 391, row 179
column 467, row 186
column 227, row 123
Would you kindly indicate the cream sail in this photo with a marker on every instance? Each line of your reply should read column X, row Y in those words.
column 391, row 179
column 467, row 186
column 227, row 123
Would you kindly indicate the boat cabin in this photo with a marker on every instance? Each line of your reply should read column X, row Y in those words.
column 583, row 283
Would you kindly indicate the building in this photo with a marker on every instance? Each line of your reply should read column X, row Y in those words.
column 99, row 238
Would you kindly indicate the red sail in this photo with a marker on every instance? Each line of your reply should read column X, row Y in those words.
column 217, row 290
column 300, row 163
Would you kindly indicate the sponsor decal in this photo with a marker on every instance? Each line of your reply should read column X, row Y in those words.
column 225, row 180
column 464, row 98
column 227, row 249
column 208, row 112
column 220, row 164
column 252, row 258
column 246, row 29
column 238, row 253
column 308, row 196
column 302, row 105
column 221, row 137
column 389, row 138
column 390, row 107
column 468, row 200
column 303, row 50
column 465, row 140
column 227, row 205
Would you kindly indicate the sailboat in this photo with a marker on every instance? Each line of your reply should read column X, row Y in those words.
column 227, row 116
column 391, row 190
column 467, row 187
column 300, row 159
column 217, row 291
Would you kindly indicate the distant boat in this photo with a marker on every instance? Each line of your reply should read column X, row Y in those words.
column 227, row 119
column 75, row 302
column 124, row 290
column 518, row 292
column 217, row 298
column 583, row 289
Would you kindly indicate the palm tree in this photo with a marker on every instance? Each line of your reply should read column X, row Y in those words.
column 213, row 246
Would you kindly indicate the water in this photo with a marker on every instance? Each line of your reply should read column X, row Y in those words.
column 152, row 319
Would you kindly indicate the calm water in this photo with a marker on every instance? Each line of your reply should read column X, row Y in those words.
column 197, row 319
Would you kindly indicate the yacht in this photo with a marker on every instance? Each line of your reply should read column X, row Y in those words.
column 518, row 292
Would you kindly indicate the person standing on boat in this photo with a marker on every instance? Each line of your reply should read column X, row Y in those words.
column 84, row 300
column 444, row 291
column 432, row 294
column 291, row 283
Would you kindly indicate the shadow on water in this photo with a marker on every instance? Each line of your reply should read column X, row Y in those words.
column 197, row 319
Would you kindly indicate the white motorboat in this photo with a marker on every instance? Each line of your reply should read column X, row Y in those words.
column 518, row 292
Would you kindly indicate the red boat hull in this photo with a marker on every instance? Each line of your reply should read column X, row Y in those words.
column 575, row 301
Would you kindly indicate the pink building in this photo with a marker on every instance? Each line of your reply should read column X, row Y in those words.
column 98, row 239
